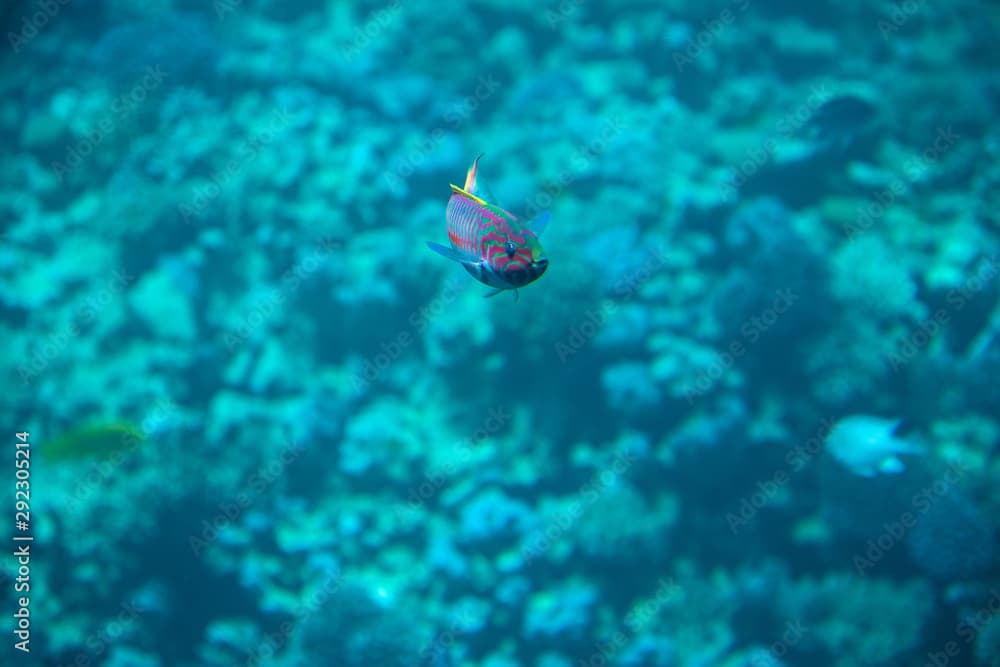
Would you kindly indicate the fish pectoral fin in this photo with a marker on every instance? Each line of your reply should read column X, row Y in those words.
column 459, row 191
column 453, row 253
column 538, row 224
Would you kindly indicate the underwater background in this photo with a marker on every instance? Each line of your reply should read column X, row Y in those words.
column 749, row 417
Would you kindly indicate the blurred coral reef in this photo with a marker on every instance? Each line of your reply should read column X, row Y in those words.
column 213, row 225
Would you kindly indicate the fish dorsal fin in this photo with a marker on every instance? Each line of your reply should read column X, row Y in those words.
column 475, row 186
column 465, row 193
column 538, row 224
column 470, row 176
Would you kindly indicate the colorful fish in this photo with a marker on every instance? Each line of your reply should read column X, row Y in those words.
column 491, row 243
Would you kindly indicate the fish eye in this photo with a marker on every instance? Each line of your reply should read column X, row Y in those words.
column 509, row 247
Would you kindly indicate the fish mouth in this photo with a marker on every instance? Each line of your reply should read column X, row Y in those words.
column 524, row 275
column 537, row 268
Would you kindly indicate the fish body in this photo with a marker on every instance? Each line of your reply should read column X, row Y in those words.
column 868, row 446
column 491, row 243
column 94, row 440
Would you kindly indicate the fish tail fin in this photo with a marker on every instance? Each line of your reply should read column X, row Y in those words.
column 914, row 444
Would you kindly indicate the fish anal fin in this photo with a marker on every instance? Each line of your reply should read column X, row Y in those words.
column 517, row 296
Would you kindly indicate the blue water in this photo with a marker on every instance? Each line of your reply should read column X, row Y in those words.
column 748, row 417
